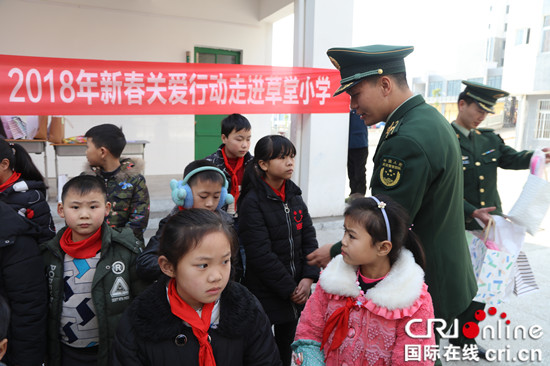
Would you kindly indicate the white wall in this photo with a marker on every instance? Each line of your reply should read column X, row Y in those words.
column 137, row 30
column 321, row 139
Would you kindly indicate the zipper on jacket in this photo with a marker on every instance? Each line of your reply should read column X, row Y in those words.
column 290, row 239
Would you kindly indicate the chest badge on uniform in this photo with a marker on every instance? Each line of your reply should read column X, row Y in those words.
column 391, row 171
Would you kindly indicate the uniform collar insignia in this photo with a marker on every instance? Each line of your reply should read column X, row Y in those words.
column 392, row 128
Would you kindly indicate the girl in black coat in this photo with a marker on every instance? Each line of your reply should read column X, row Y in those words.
column 198, row 316
column 22, row 187
column 23, row 285
column 277, row 233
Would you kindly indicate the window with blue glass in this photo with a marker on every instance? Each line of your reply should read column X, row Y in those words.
column 453, row 87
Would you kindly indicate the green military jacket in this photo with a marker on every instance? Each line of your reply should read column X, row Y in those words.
column 128, row 194
column 417, row 163
column 119, row 250
column 481, row 156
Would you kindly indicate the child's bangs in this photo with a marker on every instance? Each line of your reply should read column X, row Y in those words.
column 281, row 148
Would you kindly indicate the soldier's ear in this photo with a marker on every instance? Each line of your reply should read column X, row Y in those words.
column 386, row 84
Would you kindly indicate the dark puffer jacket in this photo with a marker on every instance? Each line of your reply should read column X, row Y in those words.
column 276, row 236
column 28, row 198
column 23, row 285
column 148, row 329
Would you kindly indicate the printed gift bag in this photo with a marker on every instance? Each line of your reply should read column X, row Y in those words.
column 494, row 252
column 492, row 269
column 524, row 277
column 20, row 127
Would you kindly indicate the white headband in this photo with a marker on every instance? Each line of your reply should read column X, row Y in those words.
column 382, row 207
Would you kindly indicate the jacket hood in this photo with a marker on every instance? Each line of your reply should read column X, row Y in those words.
column 23, row 185
column 129, row 167
column 14, row 225
column 400, row 289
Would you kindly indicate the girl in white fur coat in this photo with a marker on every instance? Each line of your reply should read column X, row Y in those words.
column 359, row 311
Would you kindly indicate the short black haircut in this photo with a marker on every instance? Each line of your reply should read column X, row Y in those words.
column 84, row 184
column 235, row 122
column 206, row 175
column 4, row 318
column 108, row 136
column 465, row 97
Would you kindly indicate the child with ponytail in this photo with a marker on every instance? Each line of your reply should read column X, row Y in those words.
column 367, row 294
column 277, row 233
column 23, row 188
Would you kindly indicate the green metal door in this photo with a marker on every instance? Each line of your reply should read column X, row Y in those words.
column 207, row 127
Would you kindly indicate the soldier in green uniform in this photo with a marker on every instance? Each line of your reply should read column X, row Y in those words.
column 482, row 152
column 417, row 163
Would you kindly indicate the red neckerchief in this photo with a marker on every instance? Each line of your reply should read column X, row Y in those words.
column 199, row 325
column 281, row 192
column 234, row 171
column 338, row 322
column 11, row 180
column 82, row 249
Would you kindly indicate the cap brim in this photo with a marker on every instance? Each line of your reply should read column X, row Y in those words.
column 484, row 107
column 345, row 87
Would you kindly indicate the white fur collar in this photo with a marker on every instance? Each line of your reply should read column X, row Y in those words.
column 399, row 290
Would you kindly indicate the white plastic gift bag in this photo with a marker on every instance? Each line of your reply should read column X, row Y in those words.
column 534, row 200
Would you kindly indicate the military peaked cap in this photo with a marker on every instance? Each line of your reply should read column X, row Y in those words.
column 485, row 96
column 357, row 63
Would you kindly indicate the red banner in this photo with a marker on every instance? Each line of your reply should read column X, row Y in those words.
column 60, row 86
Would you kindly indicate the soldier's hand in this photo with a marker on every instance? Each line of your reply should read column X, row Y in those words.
column 546, row 151
column 483, row 214
column 319, row 257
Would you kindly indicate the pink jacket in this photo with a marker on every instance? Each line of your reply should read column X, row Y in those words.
column 376, row 329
